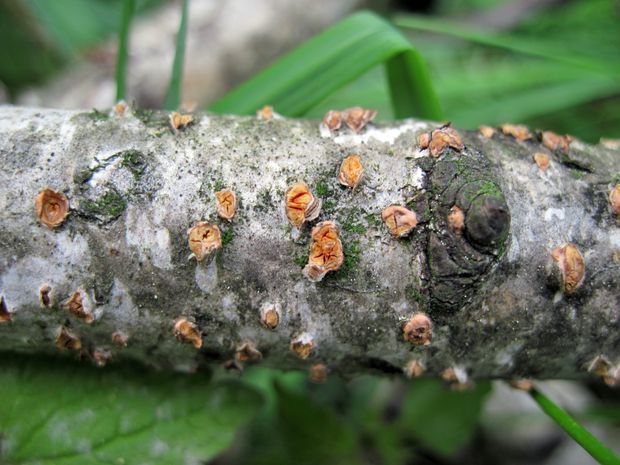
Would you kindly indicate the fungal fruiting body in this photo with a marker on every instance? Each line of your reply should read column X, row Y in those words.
column 542, row 160
column 418, row 330
column 357, row 118
column 555, row 142
column 568, row 267
column 75, row 305
column 614, row 199
column 52, row 208
column 5, row 314
column 414, row 369
column 456, row 219
column 101, row 357
column 204, row 240
column 332, row 120
column 317, row 373
column 325, row 251
column 179, row 121
column 440, row 139
column 301, row 205
column 522, row 384
column 518, row 131
column 246, row 351
column 186, row 331
column 119, row 338
column 226, row 204
column 265, row 113
column 399, row 220
column 45, row 298
column 487, row 131
column 270, row 315
column 457, row 377
column 66, row 340
column 302, row 345
column 351, row 171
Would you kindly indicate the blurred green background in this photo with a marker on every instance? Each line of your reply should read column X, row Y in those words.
column 549, row 64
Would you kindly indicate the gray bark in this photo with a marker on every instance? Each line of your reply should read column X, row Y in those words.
column 135, row 187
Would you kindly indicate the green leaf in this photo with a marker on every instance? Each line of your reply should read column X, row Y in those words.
column 129, row 7
column 173, row 97
column 534, row 46
column 582, row 436
column 302, row 79
column 441, row 419
column 60, row 413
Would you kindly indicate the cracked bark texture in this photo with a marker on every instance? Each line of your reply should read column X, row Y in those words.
column 135, row 187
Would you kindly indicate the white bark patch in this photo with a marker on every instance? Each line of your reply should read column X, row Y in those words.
column 121, row 308
column 552, row 213
column 387, row 135
column 151, row 240
column 206, row 276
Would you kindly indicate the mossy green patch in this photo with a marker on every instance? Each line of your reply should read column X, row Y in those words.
column 228, row 235
column 300, row 260
column 577, row 174
column 322, row 189
column 109, row 207
column 97, row 115
column 616, row 178
column 352, row 254
column 133, row 160
column 413, row 293
column 329, row 205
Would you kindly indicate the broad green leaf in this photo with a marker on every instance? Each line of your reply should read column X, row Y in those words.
column 53, row 412
column 441, row 419
column 173, row 97
column 534, row 46
column 129, row 7
column 300, row 80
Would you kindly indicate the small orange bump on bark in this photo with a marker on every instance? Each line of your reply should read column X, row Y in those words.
column 44, row 296
column 179, row 121
column 332, row 120
column 204, row 240
column 186, row 331
column 5, row 314
column 301, row 205
column 226, row 204
column 457, row 377
column 414, row 369
column 614, row 199
column 418, row 330
column 522, row 384
column 456, row 219
column 120, row 338
column 317, row 373
column 613, row 144
column 52, row 207
column 601, row 366
column 487, row 131
column 120, row 108
column 399, row 220
column 518, row 131
column 356, row 118
column 326, row 252
column 442, row 138
column 75, row 306
column 424, row 139
column 351, row 171
column 555, row 142
column 246, row 351
column 101, row 357
column 542, row 160
column 571, row 266
column 265, row 113
column 270, row 315
column 67, row 340
column 303, row 345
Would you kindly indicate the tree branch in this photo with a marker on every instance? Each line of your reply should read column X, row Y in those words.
column 486, row 279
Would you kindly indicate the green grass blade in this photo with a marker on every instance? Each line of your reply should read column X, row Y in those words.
column 300, row 80
column 129, row 7
column 529, row 46
column 173, row 97
column 583, row 437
